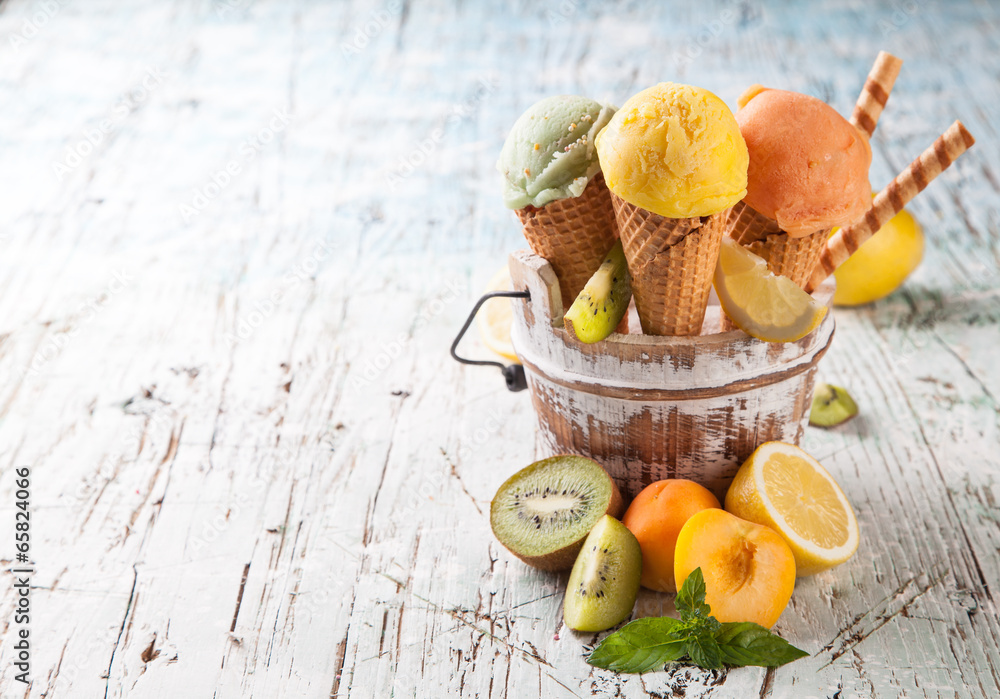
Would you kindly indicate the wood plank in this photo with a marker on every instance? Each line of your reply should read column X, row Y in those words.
column 243, row 496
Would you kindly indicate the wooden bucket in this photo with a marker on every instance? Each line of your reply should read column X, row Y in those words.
column 648, row 407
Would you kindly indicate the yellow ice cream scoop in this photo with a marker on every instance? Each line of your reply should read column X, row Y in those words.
column 675, row 150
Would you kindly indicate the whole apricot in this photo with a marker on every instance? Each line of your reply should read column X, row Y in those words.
column 655, row 517
column 748, row 568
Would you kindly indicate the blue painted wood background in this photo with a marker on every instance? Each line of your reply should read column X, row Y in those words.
column 238, row 236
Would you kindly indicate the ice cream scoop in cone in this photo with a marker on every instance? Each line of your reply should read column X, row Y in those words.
column 808, row 173
column 674, row 162
column 552, row 180
column 808, row 170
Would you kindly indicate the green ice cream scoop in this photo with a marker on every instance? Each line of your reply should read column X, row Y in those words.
column 550, row 151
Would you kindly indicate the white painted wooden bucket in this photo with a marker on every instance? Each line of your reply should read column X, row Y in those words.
column 648, row 407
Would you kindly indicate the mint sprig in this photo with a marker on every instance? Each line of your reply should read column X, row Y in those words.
column 650, row 643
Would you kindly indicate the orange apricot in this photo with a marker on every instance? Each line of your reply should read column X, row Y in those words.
column 748, row 568
column 655, row 517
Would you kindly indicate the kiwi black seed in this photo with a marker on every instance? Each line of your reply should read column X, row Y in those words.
column 603, row 302
column 605, row 580
column 831, row 406
column 543, row 512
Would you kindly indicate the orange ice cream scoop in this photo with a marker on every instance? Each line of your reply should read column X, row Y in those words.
column 808, row 165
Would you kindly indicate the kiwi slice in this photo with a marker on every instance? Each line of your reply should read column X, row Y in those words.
column 602, row 304
column 605, row 579
column 831, row 406
column 543, row 512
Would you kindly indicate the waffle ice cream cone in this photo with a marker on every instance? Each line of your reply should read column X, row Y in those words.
column 573, row 234
column 671, row 262
column 790, row 257
column 675, row 161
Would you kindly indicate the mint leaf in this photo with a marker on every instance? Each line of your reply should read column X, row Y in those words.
column 641, row 645
column 690, row 601
column 746, row 643
column 709, row 626
column 704, row 651
column 651, row 643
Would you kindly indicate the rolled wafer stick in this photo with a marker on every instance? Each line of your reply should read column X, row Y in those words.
column 891, row 200
column 876, row 91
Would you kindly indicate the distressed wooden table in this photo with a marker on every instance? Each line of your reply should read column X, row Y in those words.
column 238, row 237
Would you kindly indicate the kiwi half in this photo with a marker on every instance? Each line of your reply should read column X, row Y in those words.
column 831, row 406
column 605, row 579
column 603, row 302
column 543, row 512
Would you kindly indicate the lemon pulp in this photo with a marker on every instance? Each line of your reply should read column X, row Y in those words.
column 782, row 487
column 769, row 307
column 496, row 317
column 806, row 500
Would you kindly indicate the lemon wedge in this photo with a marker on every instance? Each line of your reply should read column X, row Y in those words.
column 768, row 307
column 782, row 487
column 496, row 316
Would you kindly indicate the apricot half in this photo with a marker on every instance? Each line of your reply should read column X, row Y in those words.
column 748, row 568
column 655, row 517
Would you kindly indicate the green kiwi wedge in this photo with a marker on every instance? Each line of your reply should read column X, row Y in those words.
column 602, row 304
column 543, row 512
column 831, row 406
column 605, row 578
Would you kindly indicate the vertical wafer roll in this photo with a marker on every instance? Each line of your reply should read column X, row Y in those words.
column 891, row 200
column 875, row 92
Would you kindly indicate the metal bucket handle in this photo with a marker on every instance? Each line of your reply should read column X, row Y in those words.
column 513, row 374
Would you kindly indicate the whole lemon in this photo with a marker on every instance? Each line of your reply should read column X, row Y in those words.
column 880, row 265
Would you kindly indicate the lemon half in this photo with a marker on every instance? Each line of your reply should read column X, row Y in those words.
column 769, row 307
column 784, row 488
column 496, row 317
